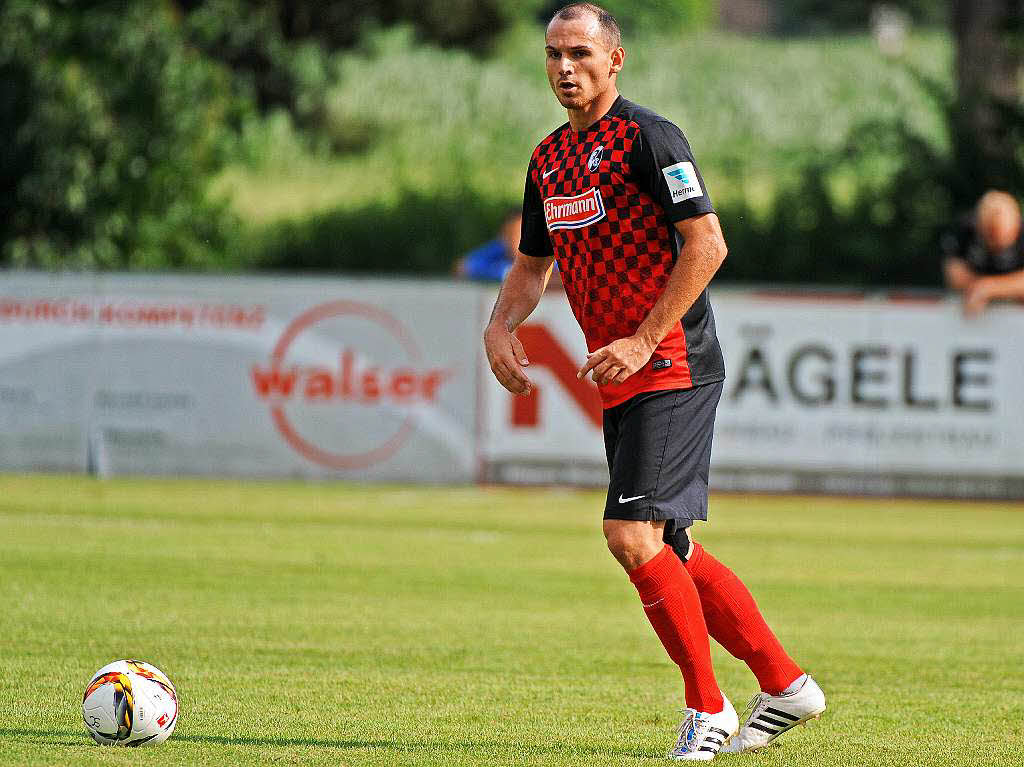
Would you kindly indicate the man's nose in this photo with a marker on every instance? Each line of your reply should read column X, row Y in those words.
column 565, row 66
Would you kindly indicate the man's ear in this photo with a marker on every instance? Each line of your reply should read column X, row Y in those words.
column 618, row 59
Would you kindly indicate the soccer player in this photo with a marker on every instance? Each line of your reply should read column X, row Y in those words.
column 615, row 196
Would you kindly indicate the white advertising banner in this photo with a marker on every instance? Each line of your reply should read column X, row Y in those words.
column 385, row 380
column 823, row 393
column 364, row 379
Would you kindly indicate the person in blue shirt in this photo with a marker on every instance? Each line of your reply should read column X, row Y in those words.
column 492, row 260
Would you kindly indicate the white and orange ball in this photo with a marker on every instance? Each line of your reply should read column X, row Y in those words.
column 130, row 703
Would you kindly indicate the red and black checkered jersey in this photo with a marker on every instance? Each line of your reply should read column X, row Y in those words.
column 604, row 202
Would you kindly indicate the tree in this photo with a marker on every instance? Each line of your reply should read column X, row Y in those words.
column 110, row 125
column 989, row 124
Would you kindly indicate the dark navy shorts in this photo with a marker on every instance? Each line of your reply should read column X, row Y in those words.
column 658, row 446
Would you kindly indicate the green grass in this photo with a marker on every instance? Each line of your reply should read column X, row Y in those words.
column 423, row 120
column 358, row 625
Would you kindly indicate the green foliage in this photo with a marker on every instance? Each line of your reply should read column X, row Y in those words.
column 462, row 135
column 279, row 50
column 872, row 211
column 111, row 127
column 882, row 231
column 822, row 16
column 639, row 16
column 416, row 233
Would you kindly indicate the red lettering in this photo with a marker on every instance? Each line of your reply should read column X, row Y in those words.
column 544, row 350
column 348, row 365
column 430, row 384
column 349, row 382
column 370, row 384
column 257, row 316
column 403, row 384
column 273, row 382
column 319, row 384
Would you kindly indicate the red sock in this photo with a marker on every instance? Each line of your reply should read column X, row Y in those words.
column 673, row 608
column 734, row 621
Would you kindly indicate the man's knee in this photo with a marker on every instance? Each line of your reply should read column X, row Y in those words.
column 633, row 543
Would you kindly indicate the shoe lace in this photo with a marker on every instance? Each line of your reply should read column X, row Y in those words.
column 753, row 707
column 690, row 731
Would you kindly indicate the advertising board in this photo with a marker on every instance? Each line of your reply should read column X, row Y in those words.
column 283, row 377
column 823, row 394
column 385, row 380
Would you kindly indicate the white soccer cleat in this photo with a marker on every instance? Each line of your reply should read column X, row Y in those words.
column 769, row 716
column 701, row 735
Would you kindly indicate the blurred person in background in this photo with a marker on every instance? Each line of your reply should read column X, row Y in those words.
column 615, row 197
column 491, row 261
column 984, row 256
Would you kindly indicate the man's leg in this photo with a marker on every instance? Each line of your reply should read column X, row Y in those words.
column 659, row 446
column 733, row 618
column 671, row 603
column 788, row 696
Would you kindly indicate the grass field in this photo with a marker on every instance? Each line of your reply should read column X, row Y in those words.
column 353, row 625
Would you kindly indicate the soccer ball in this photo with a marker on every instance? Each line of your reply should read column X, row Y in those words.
column 130, row 703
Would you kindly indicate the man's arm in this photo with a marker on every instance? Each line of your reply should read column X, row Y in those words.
column 985, row 289
column 520, row 292
column 702, row 253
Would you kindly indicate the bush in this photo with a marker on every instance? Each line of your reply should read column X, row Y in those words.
column 823, row 16
column 111, row 125
column 884, row 228
column 419, row 233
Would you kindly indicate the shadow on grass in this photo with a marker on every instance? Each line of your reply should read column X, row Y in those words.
column 59, row 738
column 54, row 737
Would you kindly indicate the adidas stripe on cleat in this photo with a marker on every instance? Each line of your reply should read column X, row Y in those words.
column 702, row 735
column 769, row 716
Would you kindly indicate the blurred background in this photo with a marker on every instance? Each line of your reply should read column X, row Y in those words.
column 236, row 235
column 391, row 136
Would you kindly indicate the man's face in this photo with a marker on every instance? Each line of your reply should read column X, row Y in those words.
column 999, row 228
column 581, row 65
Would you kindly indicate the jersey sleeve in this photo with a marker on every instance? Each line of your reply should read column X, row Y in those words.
column 663, row 165
column 533, row 238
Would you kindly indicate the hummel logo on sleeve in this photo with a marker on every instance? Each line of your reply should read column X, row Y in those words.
column 682, row 181
column 631, row 498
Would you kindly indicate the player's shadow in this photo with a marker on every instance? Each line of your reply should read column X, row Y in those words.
column 66, row 738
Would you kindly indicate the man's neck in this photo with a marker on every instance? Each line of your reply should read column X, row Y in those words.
column 581, row 119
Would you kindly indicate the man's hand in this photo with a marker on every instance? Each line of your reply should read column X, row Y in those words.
column 978, row 295
column 614, row 363
column 505, row 355
column 958, row 274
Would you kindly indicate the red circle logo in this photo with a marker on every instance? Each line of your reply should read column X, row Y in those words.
column 329, row 398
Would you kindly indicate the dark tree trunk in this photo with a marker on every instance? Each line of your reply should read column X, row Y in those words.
column 989, row 58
